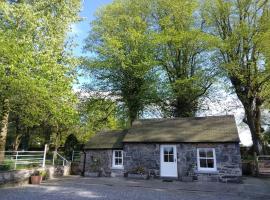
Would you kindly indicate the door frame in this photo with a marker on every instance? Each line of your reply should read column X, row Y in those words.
column 175, row 159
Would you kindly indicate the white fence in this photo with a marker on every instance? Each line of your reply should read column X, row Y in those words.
column 76, row 156
column 25, row 158
column 20, row 159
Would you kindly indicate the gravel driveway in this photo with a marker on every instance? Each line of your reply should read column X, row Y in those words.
column 78, row 188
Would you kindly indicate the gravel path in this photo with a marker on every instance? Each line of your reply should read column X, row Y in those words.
column 78, row 188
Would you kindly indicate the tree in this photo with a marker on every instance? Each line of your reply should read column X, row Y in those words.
column 97, row 113
column 123, row 54
column 34, row 61
column 241, row 27
column 181, row 50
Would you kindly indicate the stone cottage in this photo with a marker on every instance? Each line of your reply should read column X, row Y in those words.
column 206, row 148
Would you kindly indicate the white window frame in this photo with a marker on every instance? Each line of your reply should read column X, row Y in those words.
column 113, row 160
column 206, row 169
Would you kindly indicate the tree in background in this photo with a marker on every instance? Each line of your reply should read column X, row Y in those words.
column 242, row 28
column 97, row 113
column 181, row 51
column 123, row 54
column 36, row 69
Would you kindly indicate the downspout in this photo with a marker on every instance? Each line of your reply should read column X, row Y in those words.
column 84, row 161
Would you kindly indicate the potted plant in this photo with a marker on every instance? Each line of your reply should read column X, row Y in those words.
column 138, row 173
column 37, row 177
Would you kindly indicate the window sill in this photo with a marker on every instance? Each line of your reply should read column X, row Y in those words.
column 118, row 167
column 206, row 171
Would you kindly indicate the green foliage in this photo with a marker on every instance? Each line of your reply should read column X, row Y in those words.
column 123, row 53
column 181, row 49
column 36, row 65
column 97, row 114
column 71, row 144
column 137, row 42
column 242, row 29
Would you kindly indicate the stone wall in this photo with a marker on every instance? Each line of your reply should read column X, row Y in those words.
column 22, row 176
column 136, row 155
column 142, row 155
column 228, row 160
column 98, row 160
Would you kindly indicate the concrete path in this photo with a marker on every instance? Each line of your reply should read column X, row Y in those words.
column 79, row 188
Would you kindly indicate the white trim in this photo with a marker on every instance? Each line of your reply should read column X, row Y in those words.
column 113, row 160
column 204, row 169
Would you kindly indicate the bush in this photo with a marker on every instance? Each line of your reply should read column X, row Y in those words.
column 7, row 165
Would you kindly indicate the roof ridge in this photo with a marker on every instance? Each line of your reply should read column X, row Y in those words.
column 183, row 118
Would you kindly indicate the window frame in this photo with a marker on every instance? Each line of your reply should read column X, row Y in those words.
column 206, row 169
column 113, row 160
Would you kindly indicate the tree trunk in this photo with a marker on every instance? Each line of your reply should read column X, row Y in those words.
column 253, row 122
column 17, row 142
column 184, row 108
column 4, row 128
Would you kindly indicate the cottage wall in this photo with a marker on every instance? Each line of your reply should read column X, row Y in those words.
column 101, row 160
column 144, row 155
column 97, row 159
column 228, row 160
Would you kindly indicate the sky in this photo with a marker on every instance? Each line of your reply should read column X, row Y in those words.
column 228, row 104
column 80, row 30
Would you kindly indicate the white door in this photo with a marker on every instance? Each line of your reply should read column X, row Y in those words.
column 168, row 161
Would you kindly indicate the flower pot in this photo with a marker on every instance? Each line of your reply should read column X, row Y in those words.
column 36, row 180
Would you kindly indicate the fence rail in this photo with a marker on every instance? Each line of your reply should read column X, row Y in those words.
column 76, row 156
column 24, row 158
column 262, row 163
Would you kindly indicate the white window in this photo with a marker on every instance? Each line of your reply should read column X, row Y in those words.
column 117, row 159
column 206, row 159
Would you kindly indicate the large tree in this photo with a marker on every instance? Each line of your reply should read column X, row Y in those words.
column 181, row 50
column 242, row 27
column 34, row 63
column 122, row 53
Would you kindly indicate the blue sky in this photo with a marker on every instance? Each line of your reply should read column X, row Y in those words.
column 81, row 29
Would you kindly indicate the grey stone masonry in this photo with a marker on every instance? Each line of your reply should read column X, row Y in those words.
column 142, row 155
column 147, row 156
column 101, row 161
column 228, row 160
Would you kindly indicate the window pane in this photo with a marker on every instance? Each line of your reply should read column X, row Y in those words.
column 210, row 153
column 116, row 153
column 210, row 163
column 166, row 150
column 116, row 161
column 202, row 153
column 171, row 158
column 203, row 163
column 171, row 150
column 120, row 153
column 166, row 158
column 120, row 161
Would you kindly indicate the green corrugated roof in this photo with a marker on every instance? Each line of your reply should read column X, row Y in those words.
column 107, row 140
column 198, row 129
column 193, row 130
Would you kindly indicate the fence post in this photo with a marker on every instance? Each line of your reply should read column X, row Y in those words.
column 15, row 164
column 44, row 156
column 72, row 158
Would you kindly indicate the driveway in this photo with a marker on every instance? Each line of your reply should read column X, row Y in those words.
column 78, row 188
